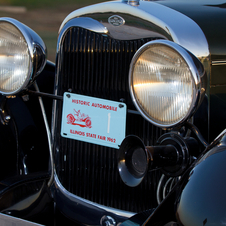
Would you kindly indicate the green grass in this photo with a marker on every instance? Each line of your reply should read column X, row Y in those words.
column 30, row 4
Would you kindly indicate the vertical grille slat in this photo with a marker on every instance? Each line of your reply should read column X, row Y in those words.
column 96, row 65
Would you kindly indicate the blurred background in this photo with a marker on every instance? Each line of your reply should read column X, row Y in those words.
column 43, row 16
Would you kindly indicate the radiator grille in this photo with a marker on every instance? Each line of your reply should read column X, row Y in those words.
column 95, row 65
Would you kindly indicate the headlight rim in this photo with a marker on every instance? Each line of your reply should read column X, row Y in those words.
column 33, row 42
column 196, row 76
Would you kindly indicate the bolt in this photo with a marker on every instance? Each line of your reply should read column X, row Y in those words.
column 25, row 97
column 122, row 100
column 7, row 118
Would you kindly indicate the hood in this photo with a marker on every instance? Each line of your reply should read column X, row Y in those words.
column 210, row 15
column 148, row 19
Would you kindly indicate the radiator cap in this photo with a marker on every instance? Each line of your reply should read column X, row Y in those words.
column 132, row 2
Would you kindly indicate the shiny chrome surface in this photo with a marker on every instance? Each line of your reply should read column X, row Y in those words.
column 220, row 62
column 30, row 36
column 70, row 200
column 116, row 20
column 134, row 2
column 35, row 44
column 169, row 21
column 84, row 22
column 199, row 78
column 210, row 16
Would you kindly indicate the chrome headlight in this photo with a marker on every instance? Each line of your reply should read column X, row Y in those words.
column 22, row 56
column 166, row 82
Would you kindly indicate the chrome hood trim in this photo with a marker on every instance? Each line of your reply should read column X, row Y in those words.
column 84, row 22
column 183, row 30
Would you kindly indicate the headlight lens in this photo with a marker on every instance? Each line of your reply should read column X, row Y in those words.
column 164, row 83
column 15, row 58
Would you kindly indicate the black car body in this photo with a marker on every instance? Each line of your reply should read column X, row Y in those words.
column 151, row 70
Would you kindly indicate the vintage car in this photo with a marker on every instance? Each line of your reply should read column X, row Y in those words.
column 127, row 127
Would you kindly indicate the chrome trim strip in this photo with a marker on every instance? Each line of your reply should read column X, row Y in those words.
column 84, row 22
column 77, row 199
column 220, row 62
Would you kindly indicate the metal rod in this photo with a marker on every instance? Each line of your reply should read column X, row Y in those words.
column 48, row 135
column 133, row 112
column 41, row 94
column 195, row 130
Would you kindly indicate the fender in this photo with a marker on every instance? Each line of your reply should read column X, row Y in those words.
column 199, row 196
column 25, row 160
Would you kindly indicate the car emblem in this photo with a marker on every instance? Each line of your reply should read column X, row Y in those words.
column 116, row 20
